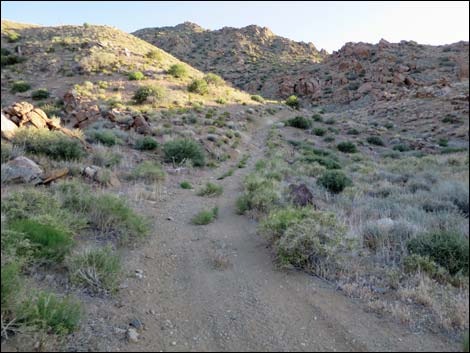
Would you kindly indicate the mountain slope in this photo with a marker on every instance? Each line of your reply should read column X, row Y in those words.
column 248, row 57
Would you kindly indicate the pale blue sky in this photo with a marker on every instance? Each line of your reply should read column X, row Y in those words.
column 326, row 24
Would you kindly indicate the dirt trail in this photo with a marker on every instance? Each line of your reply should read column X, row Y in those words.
column 188, row 304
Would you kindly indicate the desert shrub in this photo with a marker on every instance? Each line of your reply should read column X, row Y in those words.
column 257, row 98
column 375, row 140
column 443, row 142
column 146, row 143
column 278, row 220
column 293, row 102
column 7, row 152
column 7, row 60
column 149, row 93
column 178, row 151
column 150, row 171
column 10, row 283
column 423, row 264
column 299, row 122
column 326, row 162
column 448, row 249
column 5, row 51
column 97, row 269
column 317, row 117
column 46, row 312
column 40, row 94
column 198, row 86
column 402, row 148
column 136, row 76
column 104, row 158
column 50, row 242
column 334, row 181
column 20, row 86
column 330, row 121
column 105, row 213
column 352, row 86
column 318, row 131
column 186, row 185
column 178, row 71
column 105, row 136
column 312, row 243
column 53, row 144
column 98, row 61
column 13, row 37
column 347, row 147
column 205, row 217
column 353, row 131
column 213, row 79
column 154, row 55
column 260, row 194
column 211, row 190
column 465, row 347
column 242, row 204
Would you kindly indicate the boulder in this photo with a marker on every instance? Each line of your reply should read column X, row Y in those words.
column 141, row 125
column 300, row 195
column 8, row 128
column 21, row 170
column 54, row 175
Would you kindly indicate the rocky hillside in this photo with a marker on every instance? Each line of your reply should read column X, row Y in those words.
column 249, row 57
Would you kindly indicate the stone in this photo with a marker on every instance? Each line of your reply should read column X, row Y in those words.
column 8, row 128
column 300, row 195
column 22, row 170
column 132, row 335
column 137, row 324
column 141, row 125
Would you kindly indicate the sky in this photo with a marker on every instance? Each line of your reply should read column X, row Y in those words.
column 328, row 25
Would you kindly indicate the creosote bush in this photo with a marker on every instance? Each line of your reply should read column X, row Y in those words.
column 150, row 171
column 40, row 94
column 136, row 76
column 347, row 147
column 205, row 217
column 211, row 190
column 198, row 86
column 53, row 144
column 146, row 143
column 334, row 181
column 152, row 93
column 293, row 102
column 213, row 79
column 299, row 122
column 375, row 140
column 178, row 71
column 181, row 150
column 20, row 86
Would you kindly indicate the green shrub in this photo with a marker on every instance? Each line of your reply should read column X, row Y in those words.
column 347, row 147
column 105, row 136
column 318, row 131
column 299, row 122
column 213, row 79
column 353, row 131
column 146, row 143
column 465, row 342
column 97, row 269
column 13, row 37
column 242, row 204
column 20, row 86
column 334, row 181
column 11, row 283
column 11, row 60
column 105, row 158
column 401, row 148
column 53, row 144
column 40, row 94
column 136, row 76
column 211, row 190
column 375, row 140
column 178, row 151
column 448, row 249
column 423, row 264
column 154, row 55
column 330, row 121
column 50, row 242
column 178, row 71
column 312, row 243
column 198, row 86
column 149, row 93
column 443, row 142
column 293, row 102
column 150, row 171
column 205, row 217
column 317, row 118
column 186, row 185
column 47, row 312
column 7, row 152
column 257, row 98
column 278, row 220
